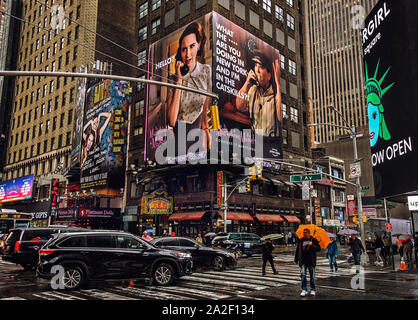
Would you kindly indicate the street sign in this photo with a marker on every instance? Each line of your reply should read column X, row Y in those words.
column 305, row 190
column 364, row 188
column 332, row 223
column 355, row 170
column 351, row 207
column 369, row 211
column 306, row 177
column 350, row 197
column 389, row 227
column 413, row 203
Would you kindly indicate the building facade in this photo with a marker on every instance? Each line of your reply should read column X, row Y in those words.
column 64, row 36
column 335, row 65
column 276, row 201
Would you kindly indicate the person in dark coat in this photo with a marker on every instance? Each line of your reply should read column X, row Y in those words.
column 267, row 250
column 356, row 249
column 332, row 255
column 305, row 256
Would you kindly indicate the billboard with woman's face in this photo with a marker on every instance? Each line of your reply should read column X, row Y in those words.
column 212, row 54
column 104, row 138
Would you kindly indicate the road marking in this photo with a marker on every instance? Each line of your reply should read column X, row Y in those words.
column 272, row 281
column 199, row 293
column 57, row 296
column 104, row 295
column 147, row 293
column 13, row 298
column 224, row 282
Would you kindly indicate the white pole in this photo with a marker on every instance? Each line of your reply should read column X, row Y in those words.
column 225, row 204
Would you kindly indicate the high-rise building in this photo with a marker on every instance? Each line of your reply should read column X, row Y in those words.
column 335, row 67
column 60, row 35
column 279, row 23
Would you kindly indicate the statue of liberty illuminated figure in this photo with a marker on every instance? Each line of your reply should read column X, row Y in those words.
column 375, row 110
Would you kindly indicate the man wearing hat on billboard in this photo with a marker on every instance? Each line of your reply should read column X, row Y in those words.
column 264, row 98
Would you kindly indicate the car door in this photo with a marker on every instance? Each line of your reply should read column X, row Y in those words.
column 133, row 254
column 247, row 242
column 256, row 240
column 194, row 248
column 103, row 255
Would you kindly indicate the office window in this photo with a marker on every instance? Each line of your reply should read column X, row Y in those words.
column 290, row 2
column 184, row 8
column 68, row 139
column 54, row 123
column 60, row 141
column 155, row 26
column 72, row 94
column 142, row 34
column 290, row 21
column 169, row 17
column 64, row 98
column 142, row 56
column 34, row 131
column 62, row 120
column 45, row 147
column 292, row 67
column 70, row 116
column 294, row 115
column 155, row 4
column 284, row 111
column 278, row 13
column 284, row 132
column 143, row 10
column 48, row 123
column 267, row 5
column 52, row 144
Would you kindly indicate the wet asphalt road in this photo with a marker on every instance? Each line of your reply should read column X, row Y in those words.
column 245, row 282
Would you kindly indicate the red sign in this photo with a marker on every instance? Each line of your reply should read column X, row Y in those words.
column 389, row 227
column 351, row 207
column 219, row 185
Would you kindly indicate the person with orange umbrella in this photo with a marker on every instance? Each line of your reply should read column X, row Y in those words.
column 305, row 256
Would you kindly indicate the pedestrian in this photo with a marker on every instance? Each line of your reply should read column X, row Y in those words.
column 286, row 239
column 386, row 248
column 407, row 250
column 199, row 238
column 399, row 244
column 267, row 250
column 378, row 245
column 416, row 246
column 146, row 236
column 332, row 255
column 165, row 233
column 356, row 249
column 305, row 256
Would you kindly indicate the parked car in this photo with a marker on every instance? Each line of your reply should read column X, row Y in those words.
column 202, row 255
column 22, row 244
column 247, row 243
column 99, row 255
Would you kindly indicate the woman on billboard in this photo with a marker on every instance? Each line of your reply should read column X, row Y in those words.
column 184, row 106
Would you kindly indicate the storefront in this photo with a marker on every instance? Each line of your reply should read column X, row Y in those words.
column 90, row 218
column 155, row 211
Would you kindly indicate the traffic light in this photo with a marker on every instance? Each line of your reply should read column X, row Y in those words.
column 355, row 219
column 213, row 115
column 259, row 170
column 364, row 219
column 248, row 186
column 252, row 173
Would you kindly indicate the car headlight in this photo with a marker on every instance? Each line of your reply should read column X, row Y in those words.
column 182, row 254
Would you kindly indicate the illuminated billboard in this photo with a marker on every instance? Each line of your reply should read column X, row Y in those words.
column 391, row 77
column 105, row 133
column 212, row 54
column 16, row 189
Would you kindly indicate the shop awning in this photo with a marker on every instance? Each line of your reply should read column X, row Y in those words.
column 269, row 217
column 237, row 216
column 179, row 216
column 291, row 219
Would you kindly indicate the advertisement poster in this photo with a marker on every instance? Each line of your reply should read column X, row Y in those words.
column 16, row 189
column 391, row 77
column 78, row 123
column 214, row 55
column 105, row 133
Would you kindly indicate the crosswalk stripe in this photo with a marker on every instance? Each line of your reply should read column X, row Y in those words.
column 189, row 291
column 104, row 295
column 57, row 296
column 267, row 280
column 212, row 275
column 13, row 298
column 217, row 289
column 148, row 293
column 224, row 282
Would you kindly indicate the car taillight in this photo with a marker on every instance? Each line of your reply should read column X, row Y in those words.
column 17, row 245
column 45, row 252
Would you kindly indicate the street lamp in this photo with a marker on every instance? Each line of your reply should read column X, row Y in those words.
column 353, row 136
column 313, row 214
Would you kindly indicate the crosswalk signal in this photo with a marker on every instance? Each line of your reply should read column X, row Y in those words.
column 213, row 118
column 248, row 186
column 259, row 171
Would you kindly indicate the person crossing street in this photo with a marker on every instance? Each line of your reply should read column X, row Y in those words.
column 305, row 256
column 332, row 255
column 267, row 250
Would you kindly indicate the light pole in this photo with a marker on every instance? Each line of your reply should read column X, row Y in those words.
column 353, row 136
column 313, row 214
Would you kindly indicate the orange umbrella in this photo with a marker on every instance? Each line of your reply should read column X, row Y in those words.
column 316, row 232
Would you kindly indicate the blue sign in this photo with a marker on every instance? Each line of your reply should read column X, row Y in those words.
column 16, row 189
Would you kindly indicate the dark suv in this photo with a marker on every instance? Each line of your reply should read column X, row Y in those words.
column 22, row 244
column 244, row 243
column 110, row 255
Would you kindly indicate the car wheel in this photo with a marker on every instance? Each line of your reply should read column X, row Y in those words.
column 163, row 274
column 218, row 263
column 73, row 277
